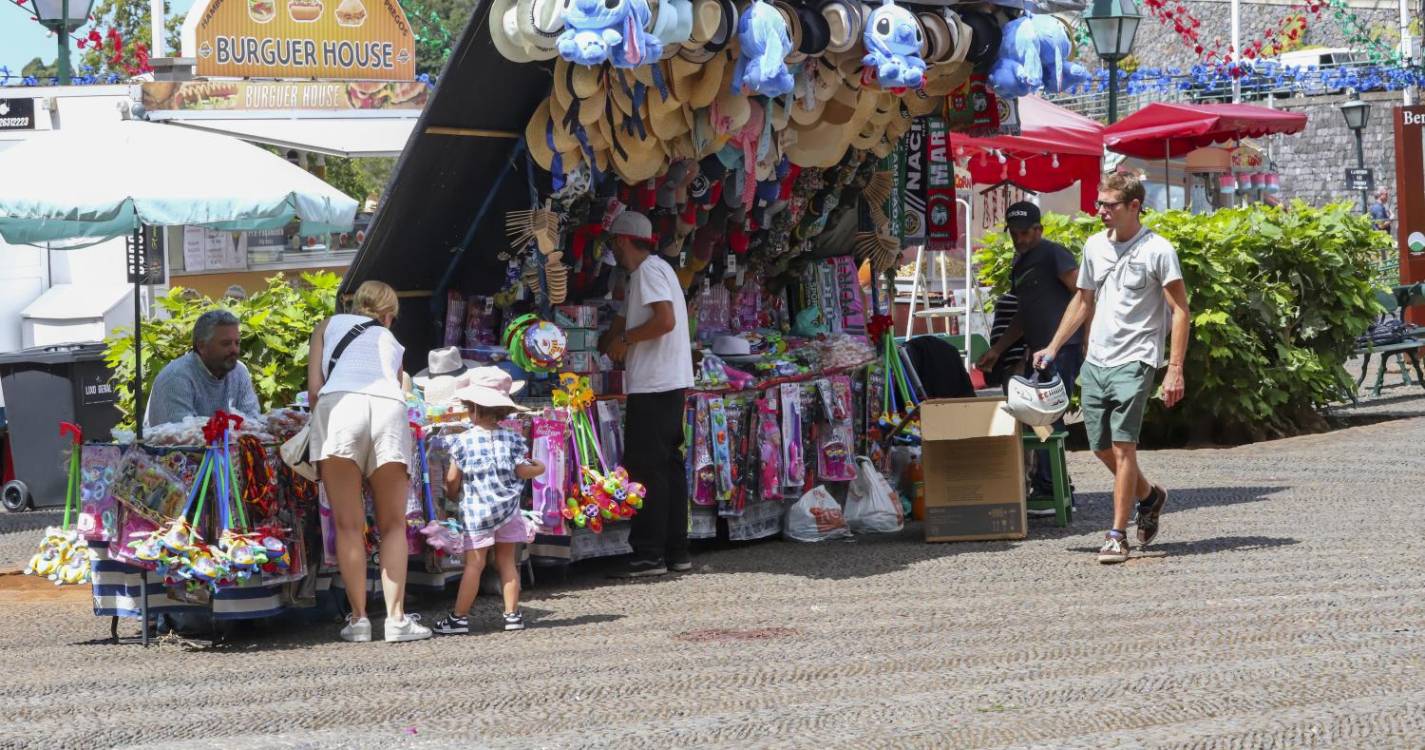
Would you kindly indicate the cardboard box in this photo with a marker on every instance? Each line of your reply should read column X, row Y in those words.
column 582, row 339
column 974, row 471
column 576, row 316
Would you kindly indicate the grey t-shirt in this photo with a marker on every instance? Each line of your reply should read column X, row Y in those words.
column 1131, row 313
column 185, row 388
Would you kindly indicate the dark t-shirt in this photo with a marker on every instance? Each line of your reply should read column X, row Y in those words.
column 1042, row 296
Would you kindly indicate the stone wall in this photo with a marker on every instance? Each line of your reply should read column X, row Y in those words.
column 1313, row 163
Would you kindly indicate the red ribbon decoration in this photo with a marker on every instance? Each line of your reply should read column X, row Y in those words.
column 219, row 423
column 878, row 325
column 73, row 430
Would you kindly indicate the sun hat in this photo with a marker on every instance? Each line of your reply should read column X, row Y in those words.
column 442, row 376
column 540, row 22
column 489, row 386
column 505, row 31
column 843, row 18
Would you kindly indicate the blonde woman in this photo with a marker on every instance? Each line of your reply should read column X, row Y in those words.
column 359, row 431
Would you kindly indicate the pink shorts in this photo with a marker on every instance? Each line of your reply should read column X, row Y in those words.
column 514, row 531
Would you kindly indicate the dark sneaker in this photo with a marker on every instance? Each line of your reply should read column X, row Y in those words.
column 680, row 562
column 1114, row 550
column 1149, row 508
column 641, row 568
column 453, row 624
column 514, row 620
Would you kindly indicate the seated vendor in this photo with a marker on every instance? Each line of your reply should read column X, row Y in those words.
column 206, row 379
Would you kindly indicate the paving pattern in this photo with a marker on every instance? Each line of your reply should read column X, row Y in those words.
column 1282, row 607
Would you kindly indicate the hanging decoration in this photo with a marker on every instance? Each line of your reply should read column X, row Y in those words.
column 893, row 39
column 602, row 494
column 1264, row 78
column 765, row 43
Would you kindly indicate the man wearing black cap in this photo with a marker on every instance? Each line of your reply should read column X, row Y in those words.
column 1044, row 278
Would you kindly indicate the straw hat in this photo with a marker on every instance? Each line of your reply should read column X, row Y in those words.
column 794, row 30
column 962, row 33
column 939, row 44
column 806, row 110
column 707, row 15
column 777, row 111
column 729, row 112
column 697, row 83
column 946, row 77
column 669, row 118
column 818, row 147
column 505, row 31
column 536, row 134
column 584, row 80
column 844, row 24
column 540, row 23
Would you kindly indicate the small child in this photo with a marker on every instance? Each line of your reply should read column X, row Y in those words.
column 487, row 470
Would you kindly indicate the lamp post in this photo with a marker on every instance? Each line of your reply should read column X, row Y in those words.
column 1357, row 114
column 62, row 17
column 1113, row 24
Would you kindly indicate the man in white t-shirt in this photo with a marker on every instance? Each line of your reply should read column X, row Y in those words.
column 1131, row 287
column 651, row 338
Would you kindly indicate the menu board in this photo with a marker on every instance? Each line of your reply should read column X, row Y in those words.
column 211, row 250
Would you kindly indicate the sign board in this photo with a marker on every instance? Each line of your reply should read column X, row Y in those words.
column 1410, row 198
column 17, row 114
column 166, row 96
column 1360, row 179
column 321, row 39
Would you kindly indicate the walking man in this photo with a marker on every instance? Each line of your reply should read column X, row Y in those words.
column 1130, row 286
column 652, row 339
column 1044, row 278
column 1380, row 210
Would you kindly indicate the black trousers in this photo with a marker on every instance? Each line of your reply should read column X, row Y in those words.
column 652, row 453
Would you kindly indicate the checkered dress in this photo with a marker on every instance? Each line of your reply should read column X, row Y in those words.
column 490, row 490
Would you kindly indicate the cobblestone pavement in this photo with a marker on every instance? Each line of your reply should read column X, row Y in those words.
column 1282, row 607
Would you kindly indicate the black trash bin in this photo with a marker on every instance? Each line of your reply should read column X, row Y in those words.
column 44, row 387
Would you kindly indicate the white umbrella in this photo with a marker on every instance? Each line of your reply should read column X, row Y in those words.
column 99, row 183
column 83, row 185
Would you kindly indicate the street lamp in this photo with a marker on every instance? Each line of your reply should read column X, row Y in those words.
column 62, row 17
column 1357, row 114
column 1112, row 25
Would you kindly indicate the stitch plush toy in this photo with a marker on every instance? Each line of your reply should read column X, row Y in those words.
column 762, row 67
column 1060, row 73
column 892, row 39
column 1018, row 71
column 608, row 30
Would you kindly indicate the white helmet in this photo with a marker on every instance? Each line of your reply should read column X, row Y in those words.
column 1036, row 402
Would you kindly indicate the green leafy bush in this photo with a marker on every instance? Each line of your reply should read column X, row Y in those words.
column 1277, row 298
column 276, row 324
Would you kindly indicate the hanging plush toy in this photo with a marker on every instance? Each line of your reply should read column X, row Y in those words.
column 608, row 30
column 1018, row 70
column 762, row 66
column 892, row 40
column 1060, row 74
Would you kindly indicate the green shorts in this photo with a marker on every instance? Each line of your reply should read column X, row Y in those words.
column 1112, row 399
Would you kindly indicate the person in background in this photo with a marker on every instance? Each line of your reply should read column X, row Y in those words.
column 489, row 465
column 360, row 433
column 1043, row 278
column 208, row 378
column 235, row 292
column 1131, row 287
column 651, row 338
column 1380, row 210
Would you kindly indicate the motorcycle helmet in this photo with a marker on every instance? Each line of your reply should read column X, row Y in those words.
column 1037, row 401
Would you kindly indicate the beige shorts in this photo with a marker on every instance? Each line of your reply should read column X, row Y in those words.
column 370, row 430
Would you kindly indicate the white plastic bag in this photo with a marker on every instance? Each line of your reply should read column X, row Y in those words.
column 816, row 517
column 871, row 505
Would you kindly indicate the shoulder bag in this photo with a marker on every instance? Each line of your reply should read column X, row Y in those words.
column 297, row 451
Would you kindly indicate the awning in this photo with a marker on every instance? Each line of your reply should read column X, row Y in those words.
column 1162, row 130
column 1056, row 148
column 347, row 137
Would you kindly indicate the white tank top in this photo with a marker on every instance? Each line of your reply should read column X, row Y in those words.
column 370, row 364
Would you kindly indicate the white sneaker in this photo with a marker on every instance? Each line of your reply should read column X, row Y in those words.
column 357, row 630
column 408, row 629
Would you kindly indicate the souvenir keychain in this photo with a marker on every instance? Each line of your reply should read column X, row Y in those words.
column 721, row 448
column 704, row 471
column 769, row 443
column 793, row 463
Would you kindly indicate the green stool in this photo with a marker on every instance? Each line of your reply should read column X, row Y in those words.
column 1060, row 501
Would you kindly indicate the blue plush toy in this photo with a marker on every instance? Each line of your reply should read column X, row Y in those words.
column 608, row 30
column 893, row 39
column 1018, row 71
column 762, row 66
column 1059, row 73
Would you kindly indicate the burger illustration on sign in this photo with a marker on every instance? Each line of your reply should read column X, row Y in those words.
column 261, row 11
column 304, row 11
column 350, row 13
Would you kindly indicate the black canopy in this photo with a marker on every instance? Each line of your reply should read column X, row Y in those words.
column 466, row 146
